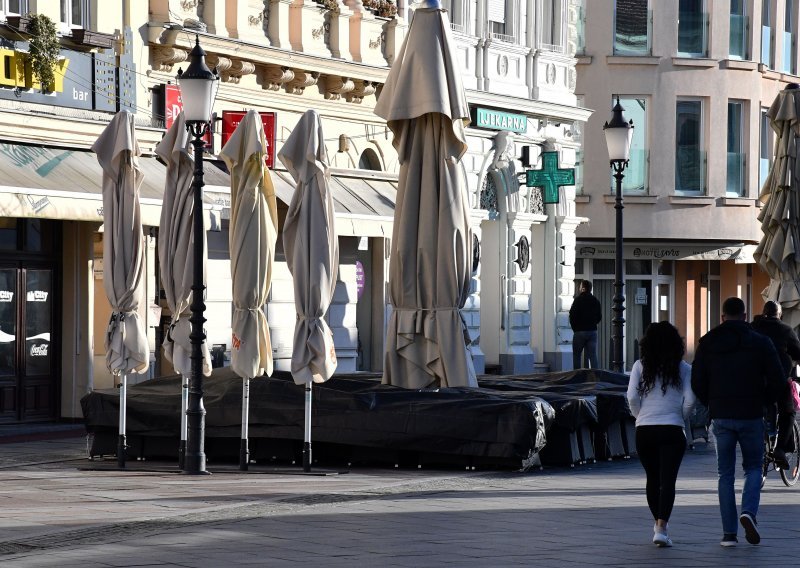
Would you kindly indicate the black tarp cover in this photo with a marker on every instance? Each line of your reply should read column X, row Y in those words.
column 350, row 410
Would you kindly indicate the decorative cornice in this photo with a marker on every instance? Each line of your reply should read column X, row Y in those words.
column 273, row 77
column 221, row 64
column 302, row 80
column 336, row 86
column 238, row 69
column 164, row 58
column 360, row 90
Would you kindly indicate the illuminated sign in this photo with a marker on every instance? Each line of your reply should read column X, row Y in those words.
column 497, row 120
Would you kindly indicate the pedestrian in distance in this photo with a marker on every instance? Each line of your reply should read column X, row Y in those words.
column 661, row 399
column 736, row 372
column 787, row 345
column 584, row 315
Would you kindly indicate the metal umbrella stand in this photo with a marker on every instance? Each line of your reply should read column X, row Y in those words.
column 312, row 254
column 123, row 258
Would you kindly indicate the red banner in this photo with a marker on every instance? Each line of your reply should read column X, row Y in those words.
column 232, row 118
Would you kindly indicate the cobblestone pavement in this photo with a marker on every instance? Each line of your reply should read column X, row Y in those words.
column 58, row 511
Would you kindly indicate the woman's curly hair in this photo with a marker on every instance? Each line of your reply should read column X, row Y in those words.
column 662, row 351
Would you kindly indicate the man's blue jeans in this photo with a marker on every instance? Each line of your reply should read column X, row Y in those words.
column 584, row 341
column 750, row 436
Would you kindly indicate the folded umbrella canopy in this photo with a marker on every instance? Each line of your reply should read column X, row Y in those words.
column 123, row 256
column 778, row 253
column 253, row 233
column 424, row 104
column 312, row 254
column 176, row 258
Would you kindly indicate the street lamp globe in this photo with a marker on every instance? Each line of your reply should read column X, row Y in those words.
column 198, row 86
column 619, row 134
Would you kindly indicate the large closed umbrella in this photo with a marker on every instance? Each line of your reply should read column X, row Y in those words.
column 253, row 234
column 778, row 253
column 424, row 104
column 123, row 256
column 312, row 253
column 176, row 258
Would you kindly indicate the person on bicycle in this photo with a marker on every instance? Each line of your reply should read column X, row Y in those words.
column 788, row 346
column 735, row 373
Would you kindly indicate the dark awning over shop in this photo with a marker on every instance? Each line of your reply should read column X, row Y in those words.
column 55, row 183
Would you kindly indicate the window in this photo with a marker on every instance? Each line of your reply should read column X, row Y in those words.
column 632, row 27
column 689, row 154
column 635, row 180
column 738, row 30
column 458, row 11
column 498, row 28
column 580, row 28
column 14, row 7
column 766, row 33
column 735, row 180
column 789, row 60
column 550, row 33
column 75, row 13
column 765, row 145
column 692, row 26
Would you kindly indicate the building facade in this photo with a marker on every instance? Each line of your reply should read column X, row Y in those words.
column 279, row 57
column 697, row 79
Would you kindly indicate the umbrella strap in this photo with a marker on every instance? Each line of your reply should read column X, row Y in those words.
column 425, row 309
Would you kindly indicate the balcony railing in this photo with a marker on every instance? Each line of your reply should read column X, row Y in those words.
column 734, row 183
column 502, row 37
column 766, row 46
column 690, row 170
column 552, row 48
column 635, row 180
column 692, row 36
column 634, row 36
column 788, row 61
column 763, row 172
column 458, row 28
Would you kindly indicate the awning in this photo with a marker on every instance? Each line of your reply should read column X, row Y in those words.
column 54, row 183
column 709, row 250
column 364, row 201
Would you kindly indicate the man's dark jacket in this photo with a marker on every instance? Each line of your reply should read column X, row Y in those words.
column 736, row 371
column 783, row 338
column 585, row 313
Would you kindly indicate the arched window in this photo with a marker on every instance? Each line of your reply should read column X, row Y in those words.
column 369, row 160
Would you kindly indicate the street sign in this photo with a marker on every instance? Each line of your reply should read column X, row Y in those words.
column 550, row 177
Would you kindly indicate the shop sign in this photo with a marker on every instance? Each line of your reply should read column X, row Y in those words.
column 232, row 118
column 360, row 279
column 498, row 120
column 677, row 252
column 73, row 79
column 37, row 296
column 6, row 296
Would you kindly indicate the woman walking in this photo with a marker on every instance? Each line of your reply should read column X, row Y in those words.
column 660, row 396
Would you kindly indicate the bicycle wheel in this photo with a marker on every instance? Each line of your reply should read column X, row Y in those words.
column 790, row 476
column 767, row 461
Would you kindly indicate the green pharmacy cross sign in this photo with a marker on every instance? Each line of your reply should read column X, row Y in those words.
column 550, row 177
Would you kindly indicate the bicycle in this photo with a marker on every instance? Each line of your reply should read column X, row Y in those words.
column 791, row 475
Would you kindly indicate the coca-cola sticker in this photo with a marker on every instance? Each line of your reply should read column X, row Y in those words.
column 39, row 350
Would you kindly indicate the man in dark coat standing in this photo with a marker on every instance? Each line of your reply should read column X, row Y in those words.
column 584, row 315
column 736, row 373
column 788, row 346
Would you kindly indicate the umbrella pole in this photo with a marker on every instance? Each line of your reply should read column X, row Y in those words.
column 122, row 425
column 244, row 452
column 307, row 433
column 184, row 425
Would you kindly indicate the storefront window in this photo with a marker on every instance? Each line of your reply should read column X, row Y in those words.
column 603, row 266
column 8, row 234
column 665, row 267
column 638, row 267
column 38, row 321
column 8, row 321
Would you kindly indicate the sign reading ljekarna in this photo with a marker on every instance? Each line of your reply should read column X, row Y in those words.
column 497, row 120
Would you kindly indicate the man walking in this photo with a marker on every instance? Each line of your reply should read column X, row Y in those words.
column 787, row 345
column 584, row 315
column 736, row 372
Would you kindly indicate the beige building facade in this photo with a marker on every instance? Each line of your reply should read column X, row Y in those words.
column 697, row 79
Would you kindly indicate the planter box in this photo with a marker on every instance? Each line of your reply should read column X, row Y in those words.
column 93, row 39
column 18, row 23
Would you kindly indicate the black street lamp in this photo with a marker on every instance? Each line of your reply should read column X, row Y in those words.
column 618, row 139
column 198, row 86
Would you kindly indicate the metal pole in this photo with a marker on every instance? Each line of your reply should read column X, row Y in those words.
column 244, row 450
column 195, row 459
column 618, row 302
column 307, row 431
column 184, row 406
column 123, row 403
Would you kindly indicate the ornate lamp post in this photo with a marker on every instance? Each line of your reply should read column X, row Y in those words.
column 618, row 139
column 198, row 86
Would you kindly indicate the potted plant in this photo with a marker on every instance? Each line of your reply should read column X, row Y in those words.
column 381, row 8
column 43, row 50
column 331, row 5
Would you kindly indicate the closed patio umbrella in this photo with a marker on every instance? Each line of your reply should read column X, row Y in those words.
column 123, row 256
column 778, row 252
column 312, row 254
column 176, row 258
column 253, row 233
column 424, row 104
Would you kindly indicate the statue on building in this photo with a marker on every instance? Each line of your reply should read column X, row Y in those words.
column 501, row 186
